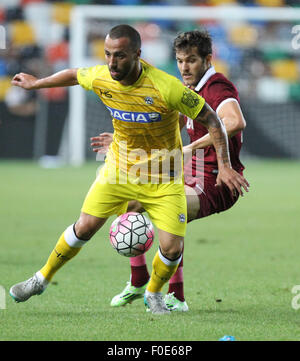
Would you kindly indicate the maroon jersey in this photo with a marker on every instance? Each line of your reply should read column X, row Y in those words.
column 216, row 89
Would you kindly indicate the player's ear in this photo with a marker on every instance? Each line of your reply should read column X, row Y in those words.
column 208, row 59
column 138, row 53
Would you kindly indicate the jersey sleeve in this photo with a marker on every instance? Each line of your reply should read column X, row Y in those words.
column 217, row 92
column 86, row 76
column 184, row 100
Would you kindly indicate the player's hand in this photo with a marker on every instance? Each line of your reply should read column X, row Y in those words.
column 101, row 143
column 233, row 180
column 25, row 81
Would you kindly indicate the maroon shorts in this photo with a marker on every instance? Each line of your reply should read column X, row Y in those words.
column 214, row 199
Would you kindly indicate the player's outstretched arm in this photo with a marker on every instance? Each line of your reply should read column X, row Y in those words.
column 63, row 78
column 217, row 131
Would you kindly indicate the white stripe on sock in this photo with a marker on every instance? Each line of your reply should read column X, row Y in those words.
column 167, row 261
column 71, row 238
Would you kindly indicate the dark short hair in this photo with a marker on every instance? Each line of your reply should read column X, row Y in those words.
column 196, row 38
column 126, row 31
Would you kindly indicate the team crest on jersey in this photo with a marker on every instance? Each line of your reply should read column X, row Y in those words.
column 149, row 100
column 134, row 117
column 190, row 98
column 181, row 218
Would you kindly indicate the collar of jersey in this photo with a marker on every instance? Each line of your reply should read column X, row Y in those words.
column 210, row 72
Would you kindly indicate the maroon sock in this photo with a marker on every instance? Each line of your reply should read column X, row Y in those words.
column 177, row 288
column 176, row 283
column 139, row 275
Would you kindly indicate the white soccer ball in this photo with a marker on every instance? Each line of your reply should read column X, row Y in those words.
column 131, row 234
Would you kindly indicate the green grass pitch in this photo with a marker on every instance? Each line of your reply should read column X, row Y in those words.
column 240, row 266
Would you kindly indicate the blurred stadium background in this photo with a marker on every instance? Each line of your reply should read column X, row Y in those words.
column 248, row 257
column 256, row 55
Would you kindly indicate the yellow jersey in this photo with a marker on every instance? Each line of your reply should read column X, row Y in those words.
column 144, row 115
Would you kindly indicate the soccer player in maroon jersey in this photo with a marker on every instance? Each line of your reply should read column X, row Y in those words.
column 193, row 51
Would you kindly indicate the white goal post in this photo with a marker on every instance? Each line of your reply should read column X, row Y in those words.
column 76, row 125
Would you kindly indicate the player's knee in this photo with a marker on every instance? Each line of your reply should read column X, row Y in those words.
column 173, row 255
column 84, row 231
column 172, row 251
column 87, row 226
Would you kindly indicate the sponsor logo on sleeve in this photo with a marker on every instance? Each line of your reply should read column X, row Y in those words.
column 189, row 98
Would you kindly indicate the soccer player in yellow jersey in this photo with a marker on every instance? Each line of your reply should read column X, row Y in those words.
column 144, row 103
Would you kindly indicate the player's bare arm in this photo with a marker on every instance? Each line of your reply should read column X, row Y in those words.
column 232, row 117
column 67, row 77
column 233, row 120
column 217, row 132
column 227, row 175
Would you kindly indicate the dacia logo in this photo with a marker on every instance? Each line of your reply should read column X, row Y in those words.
column 135, row 117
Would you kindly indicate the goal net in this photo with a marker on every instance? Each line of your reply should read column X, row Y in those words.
column 256, row 48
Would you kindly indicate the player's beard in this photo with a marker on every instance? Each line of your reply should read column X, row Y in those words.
column 125, row 73
column 117, row 74
column 120, row 74
column 194, row 76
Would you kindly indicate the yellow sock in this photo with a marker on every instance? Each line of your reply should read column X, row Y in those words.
column 61, row 254
column 162, row 271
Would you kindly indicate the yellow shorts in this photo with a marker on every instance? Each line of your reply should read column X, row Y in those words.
column 165, row 203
